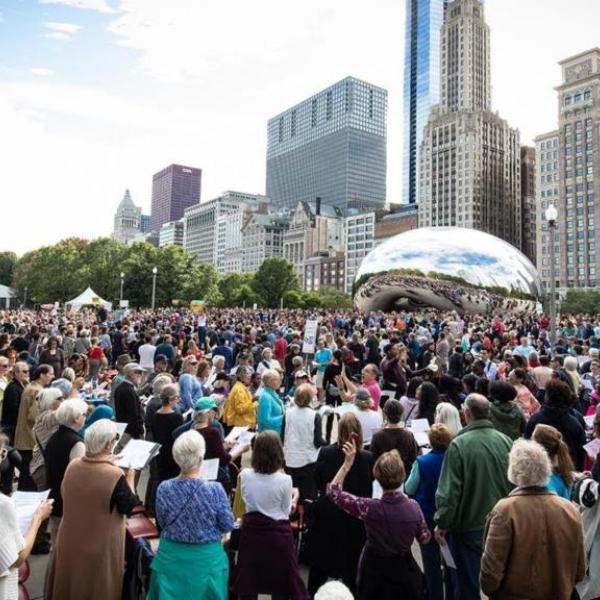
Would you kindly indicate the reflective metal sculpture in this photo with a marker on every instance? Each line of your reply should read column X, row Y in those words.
column 448, row 268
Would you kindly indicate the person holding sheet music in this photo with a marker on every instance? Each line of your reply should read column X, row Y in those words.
column 88, row 558
column 128, row 407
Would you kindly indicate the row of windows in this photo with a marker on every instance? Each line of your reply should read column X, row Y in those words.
column 577, row 97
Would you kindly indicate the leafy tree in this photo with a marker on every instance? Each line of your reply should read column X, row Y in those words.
column 293, row 299
column 274, row 277
column 332, row 299
column 202, row 283
column 246, row 296
column 141, row 258
column 104, row 258
column 229, row 287
column 579, row 301
column 8, row 263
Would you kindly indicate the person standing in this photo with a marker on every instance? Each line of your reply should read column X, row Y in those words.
column 472, row 480
column 533, row 539
column 128, row 408
column 28, row 412
column 12, row 399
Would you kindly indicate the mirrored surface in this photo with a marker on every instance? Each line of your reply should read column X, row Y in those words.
column 449, row 268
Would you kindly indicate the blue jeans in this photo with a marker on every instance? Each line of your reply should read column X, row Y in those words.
column 466, row 548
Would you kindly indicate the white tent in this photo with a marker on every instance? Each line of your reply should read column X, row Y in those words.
column 86, row 298
column 6, row 295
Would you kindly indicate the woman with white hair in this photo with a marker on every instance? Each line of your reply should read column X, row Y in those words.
column 267, row 362
column 571, row 365
column 64, row 446
column 193, row 515
column 270, row 406
column 49, row 399
column 89, row 556
column 447, row 414
column 218, row 366
column 522, row 528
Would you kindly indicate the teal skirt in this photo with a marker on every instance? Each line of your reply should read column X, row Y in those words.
column 181, row 571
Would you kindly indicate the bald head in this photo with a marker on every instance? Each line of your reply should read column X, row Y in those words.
column 477, row 407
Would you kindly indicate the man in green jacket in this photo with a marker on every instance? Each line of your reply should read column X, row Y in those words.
column 473, row 479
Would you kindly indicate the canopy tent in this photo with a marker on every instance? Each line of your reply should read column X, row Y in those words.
column 87, row 298
column 6, row 295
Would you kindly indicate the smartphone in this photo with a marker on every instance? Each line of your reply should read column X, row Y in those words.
column 354, row 438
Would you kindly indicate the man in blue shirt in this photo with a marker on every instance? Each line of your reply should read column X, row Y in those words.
column 323, row 357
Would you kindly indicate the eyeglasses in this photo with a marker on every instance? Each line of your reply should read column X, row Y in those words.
column 3, row 453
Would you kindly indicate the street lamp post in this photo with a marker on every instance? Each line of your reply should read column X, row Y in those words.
column 122, row 282
column 551, row 216
column 25, row 298
column 154, row 272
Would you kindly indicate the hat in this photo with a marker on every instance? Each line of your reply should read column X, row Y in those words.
column 301, row 374
column 160, row 358
column 222, row 376
column 132, row 368
column 363, row 398
column 122, row 360
column 64, row 385
column 205, row 404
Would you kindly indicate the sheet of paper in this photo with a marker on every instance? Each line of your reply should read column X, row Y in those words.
column 592, row 448
column 588, row 385
column 325, row 410
column 121, row 427
column 137, row 454
column 447, row 556
column 378, row 490
column 421, row 438
column 26, row 504
column 235, row 433
column 589, row 421
column 210, row 469
column 419, row 425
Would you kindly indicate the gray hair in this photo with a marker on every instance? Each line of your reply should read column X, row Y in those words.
column 243, row 370
column 70, row 410
column 269, row 375
column 478, row 406
column 216, row 359
column 68, row 374
column 47, row 397
column 529, row 464
column 447, row 414
column 188, row 450
column 266, row 351
column 333, row 590
column 570, row 363
column 159, row 384
column 168, row 391
column 297, row 361
column 98, row 435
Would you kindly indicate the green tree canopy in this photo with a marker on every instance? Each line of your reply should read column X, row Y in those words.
column 8, row 263
column 274, row 277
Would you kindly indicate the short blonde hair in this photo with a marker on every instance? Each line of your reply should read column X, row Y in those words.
column 188, row 450
column 269, row 375
column 529, row 464
column 303, row 395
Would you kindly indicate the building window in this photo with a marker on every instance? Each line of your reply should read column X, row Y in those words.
column 329, row 106
column 281, row 126
column 293, row 124
column 314, row 109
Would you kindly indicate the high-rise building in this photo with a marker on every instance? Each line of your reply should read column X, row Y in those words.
column 313, row 228
column 205, row 228
column 470, row 157
column 424, row 20
column 173, row 190
column 528, row 204
column 546, row 194
column 127, row 219
column 332, row 146
column 579, row 170
column 145, row 223
column 262, row 236
column 171, row 234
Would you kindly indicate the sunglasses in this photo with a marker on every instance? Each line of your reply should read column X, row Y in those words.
column 3, row 366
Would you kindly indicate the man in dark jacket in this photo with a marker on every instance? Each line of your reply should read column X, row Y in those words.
column 128, row 408
column 12, row 399
column 558, row 411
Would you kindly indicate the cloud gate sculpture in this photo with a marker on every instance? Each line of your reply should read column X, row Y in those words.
column 447, row 268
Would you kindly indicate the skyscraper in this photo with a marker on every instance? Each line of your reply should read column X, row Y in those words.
column 173, row 190
column 127, row 219
column 332, row 146
column 470, row 172
column 528, row 204
column 424, row 20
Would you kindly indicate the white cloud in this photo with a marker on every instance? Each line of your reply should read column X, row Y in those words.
column 63, row 27
column 98, row 5
column 41, row 71
column 58, row 35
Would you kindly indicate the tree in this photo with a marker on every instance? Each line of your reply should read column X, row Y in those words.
column 104, row 258
column 246, row 296
column 8, row 263
column 274, row 277
column 229, row 287
column 579, row 301
column 293, row 299
column 202, row 284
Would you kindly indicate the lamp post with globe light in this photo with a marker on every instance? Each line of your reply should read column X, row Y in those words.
column 122, row 282
column 154, row 272
column 551, row 216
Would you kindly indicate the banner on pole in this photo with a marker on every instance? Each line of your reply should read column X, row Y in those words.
column 310, row 336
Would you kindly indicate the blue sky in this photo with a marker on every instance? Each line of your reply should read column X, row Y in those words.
column 97, row 95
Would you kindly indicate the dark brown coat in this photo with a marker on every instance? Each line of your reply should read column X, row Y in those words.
column 533, row 547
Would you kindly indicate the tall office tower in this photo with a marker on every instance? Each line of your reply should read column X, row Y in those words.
column 528, row 205
column 332, row 146
column 470, row 157
column 546, row 194
column 424, row 20
column 579, row 169
column 173, row 190
column 127, row 219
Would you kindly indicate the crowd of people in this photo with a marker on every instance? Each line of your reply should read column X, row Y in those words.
column 472, row 438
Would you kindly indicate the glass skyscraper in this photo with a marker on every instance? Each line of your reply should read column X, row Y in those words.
column 331, row 146
column 424, row 19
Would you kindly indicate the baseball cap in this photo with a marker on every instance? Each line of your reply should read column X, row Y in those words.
column 132, row 368
column 160, row 358
column 301, row 374
column 363, row 394
column 205, row 404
